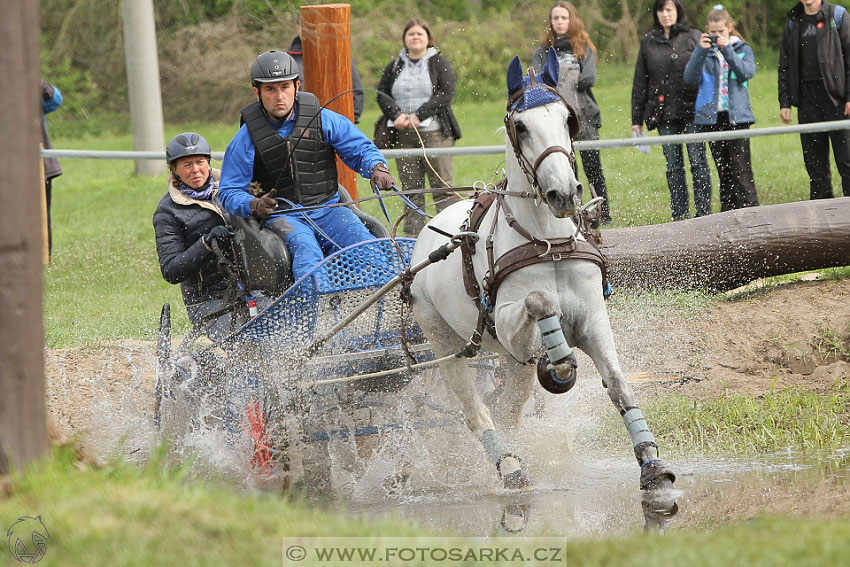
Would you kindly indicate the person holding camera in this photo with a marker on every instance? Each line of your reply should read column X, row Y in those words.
column 722, row 66
column 187, row 221
column 661, row 99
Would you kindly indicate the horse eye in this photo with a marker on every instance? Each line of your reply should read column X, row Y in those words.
column 521, row 128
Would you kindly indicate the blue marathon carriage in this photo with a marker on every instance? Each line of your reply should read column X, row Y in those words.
column 311, row 364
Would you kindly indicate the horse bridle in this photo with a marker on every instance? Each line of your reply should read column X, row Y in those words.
column 530, row 169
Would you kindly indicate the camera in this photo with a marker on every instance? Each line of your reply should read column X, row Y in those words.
column 713, row 40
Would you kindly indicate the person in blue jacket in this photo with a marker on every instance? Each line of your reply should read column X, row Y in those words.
column 722, row 65
column 286, row 152
column 51, row 99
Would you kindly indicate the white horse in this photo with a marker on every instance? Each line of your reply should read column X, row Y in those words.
column 549, row 306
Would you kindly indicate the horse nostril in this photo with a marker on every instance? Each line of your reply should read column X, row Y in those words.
column 579, row 189
column 554, row 198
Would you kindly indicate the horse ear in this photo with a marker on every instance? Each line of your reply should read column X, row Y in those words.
column 514, row 75
column 551, row 69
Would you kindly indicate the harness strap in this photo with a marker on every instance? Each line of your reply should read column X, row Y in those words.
column 537, row 252
column 467, row 245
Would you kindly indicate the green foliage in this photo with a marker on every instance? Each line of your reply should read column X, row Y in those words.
column 73, row 82
column 205, row 47
column 181, row 13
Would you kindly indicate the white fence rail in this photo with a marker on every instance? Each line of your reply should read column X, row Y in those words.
column 489, row 150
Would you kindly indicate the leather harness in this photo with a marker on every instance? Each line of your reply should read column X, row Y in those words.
column 532, row 252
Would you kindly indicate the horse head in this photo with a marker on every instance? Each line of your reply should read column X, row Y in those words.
column 540, row 126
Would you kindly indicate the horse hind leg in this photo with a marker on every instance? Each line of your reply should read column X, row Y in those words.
column 460, row 379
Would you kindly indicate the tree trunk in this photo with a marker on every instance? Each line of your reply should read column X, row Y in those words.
column 726, row 250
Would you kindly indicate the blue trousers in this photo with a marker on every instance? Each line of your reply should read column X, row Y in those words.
column 676, row 171
column 326, row 231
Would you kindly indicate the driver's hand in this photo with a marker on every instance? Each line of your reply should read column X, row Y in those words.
column 218, row 233
column 381, row 177
column 263, row 206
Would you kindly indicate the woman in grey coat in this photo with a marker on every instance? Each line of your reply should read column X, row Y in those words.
column 577, row 59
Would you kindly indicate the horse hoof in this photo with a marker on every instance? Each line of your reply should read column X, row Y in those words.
column 658, row 514
column 516, row 480
column 516, row 477
column 656, row 475
column 548, row 378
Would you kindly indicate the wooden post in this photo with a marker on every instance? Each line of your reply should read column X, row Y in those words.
column 326, row 40
column 23, row 418
column 45, row 231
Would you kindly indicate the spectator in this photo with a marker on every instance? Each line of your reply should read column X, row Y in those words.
column 415, row 94
column 814, row 71
column 661, row 99
column 51, row 99
column 295, row 171
column 297, row 53
column 722, row 65
column 186, row 222
column 577, row 59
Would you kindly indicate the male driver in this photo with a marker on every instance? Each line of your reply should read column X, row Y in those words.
column 287, row 144
column 814, row 76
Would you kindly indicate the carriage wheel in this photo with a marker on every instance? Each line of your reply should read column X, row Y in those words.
column 163, row 362
column 256, row 424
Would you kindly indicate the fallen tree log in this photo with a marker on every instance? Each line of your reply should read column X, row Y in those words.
column 726, row 250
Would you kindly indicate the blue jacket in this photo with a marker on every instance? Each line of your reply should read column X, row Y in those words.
column 704, row 70
column 237, row 171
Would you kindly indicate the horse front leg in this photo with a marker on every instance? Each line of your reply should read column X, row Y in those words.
column 655, row 474
column 523, row 324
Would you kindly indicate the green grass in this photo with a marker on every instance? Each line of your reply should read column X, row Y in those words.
column 104, row 281
column 734, row 423
column 153, row 515
column 125, row 515
column 764, row 542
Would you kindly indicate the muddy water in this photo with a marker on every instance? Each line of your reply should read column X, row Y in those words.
column 442, row 481
column 707, row 493
column 440, row 478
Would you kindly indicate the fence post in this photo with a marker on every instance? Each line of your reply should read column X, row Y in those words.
column 143, row 82
column 326, row 40
column 23, row 418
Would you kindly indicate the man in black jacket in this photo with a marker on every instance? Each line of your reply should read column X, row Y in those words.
column 814, row 76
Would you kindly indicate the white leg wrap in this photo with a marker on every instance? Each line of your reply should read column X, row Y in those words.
column 494, row 445
column 554, row 340
column 637, row 427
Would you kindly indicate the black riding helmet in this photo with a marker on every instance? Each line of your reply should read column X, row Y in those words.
column 273, row 66
column 187, row 144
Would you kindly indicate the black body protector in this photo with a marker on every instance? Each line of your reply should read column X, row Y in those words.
column 308, row 177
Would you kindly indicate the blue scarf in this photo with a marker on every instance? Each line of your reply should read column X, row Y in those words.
column 202, row 193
